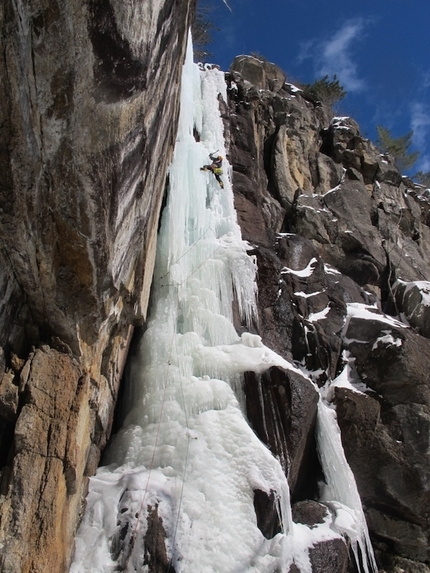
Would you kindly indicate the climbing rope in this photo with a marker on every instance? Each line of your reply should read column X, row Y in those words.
column 183, row 473
column 172, row 345
column 188, row 250
column 151, row 464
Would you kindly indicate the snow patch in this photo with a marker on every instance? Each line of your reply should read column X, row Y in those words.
column 302, row 294
column 321, row 315
column 293, row 88
column 306, row 272
column 331, row 270
column 367, row 312
column 387, row 340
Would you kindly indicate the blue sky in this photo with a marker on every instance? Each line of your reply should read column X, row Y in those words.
column 379, row 49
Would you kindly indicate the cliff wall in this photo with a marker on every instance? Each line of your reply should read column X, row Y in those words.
column 343, row 248
column 88, row 122
column 88, row 119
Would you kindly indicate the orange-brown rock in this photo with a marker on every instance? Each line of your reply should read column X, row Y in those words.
column 88, row 120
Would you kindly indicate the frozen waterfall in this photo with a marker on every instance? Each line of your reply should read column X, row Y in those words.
column 186, row 450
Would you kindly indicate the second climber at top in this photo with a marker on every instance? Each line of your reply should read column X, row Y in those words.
column 215, row 167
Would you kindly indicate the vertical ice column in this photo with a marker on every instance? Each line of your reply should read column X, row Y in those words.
column 341, row 492
column 186, row 452
column 186, row 448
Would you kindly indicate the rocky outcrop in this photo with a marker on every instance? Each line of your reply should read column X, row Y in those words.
column 155, row 556
column 414, row 300
column 342, row 242
column 89, row 95
column 288, row 430
column 386, row 434
column 48, row 440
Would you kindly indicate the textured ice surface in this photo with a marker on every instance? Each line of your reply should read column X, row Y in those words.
column 185, row 445
column 340, row 492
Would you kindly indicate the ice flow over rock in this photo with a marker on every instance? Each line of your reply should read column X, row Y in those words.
column 186, row 451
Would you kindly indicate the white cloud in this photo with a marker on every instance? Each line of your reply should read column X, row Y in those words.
column 306, row 51
column 334, row 56
column 424, row 164
column 420, row 123
column 337, row 57
column 426, row 80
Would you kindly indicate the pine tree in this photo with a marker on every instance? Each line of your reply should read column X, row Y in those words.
column 202, row 30
column 397, row 147
column 325, row 90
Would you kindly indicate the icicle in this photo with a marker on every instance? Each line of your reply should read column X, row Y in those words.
column 341, row 492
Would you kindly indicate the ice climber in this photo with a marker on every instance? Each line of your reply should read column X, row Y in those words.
column 215, row 167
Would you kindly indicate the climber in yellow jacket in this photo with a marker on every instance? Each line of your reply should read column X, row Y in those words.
column 215, row 167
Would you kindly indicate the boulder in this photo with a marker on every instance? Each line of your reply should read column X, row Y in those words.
column 266, row 511
column 309, row 512
column 259, row 72
column 329, row 557
column 281, row 408
column 413, row 300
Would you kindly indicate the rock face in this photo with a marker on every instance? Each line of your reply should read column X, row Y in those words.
column 88, row 119
column 343, row 248
column 89, row 95
column 288, row 430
